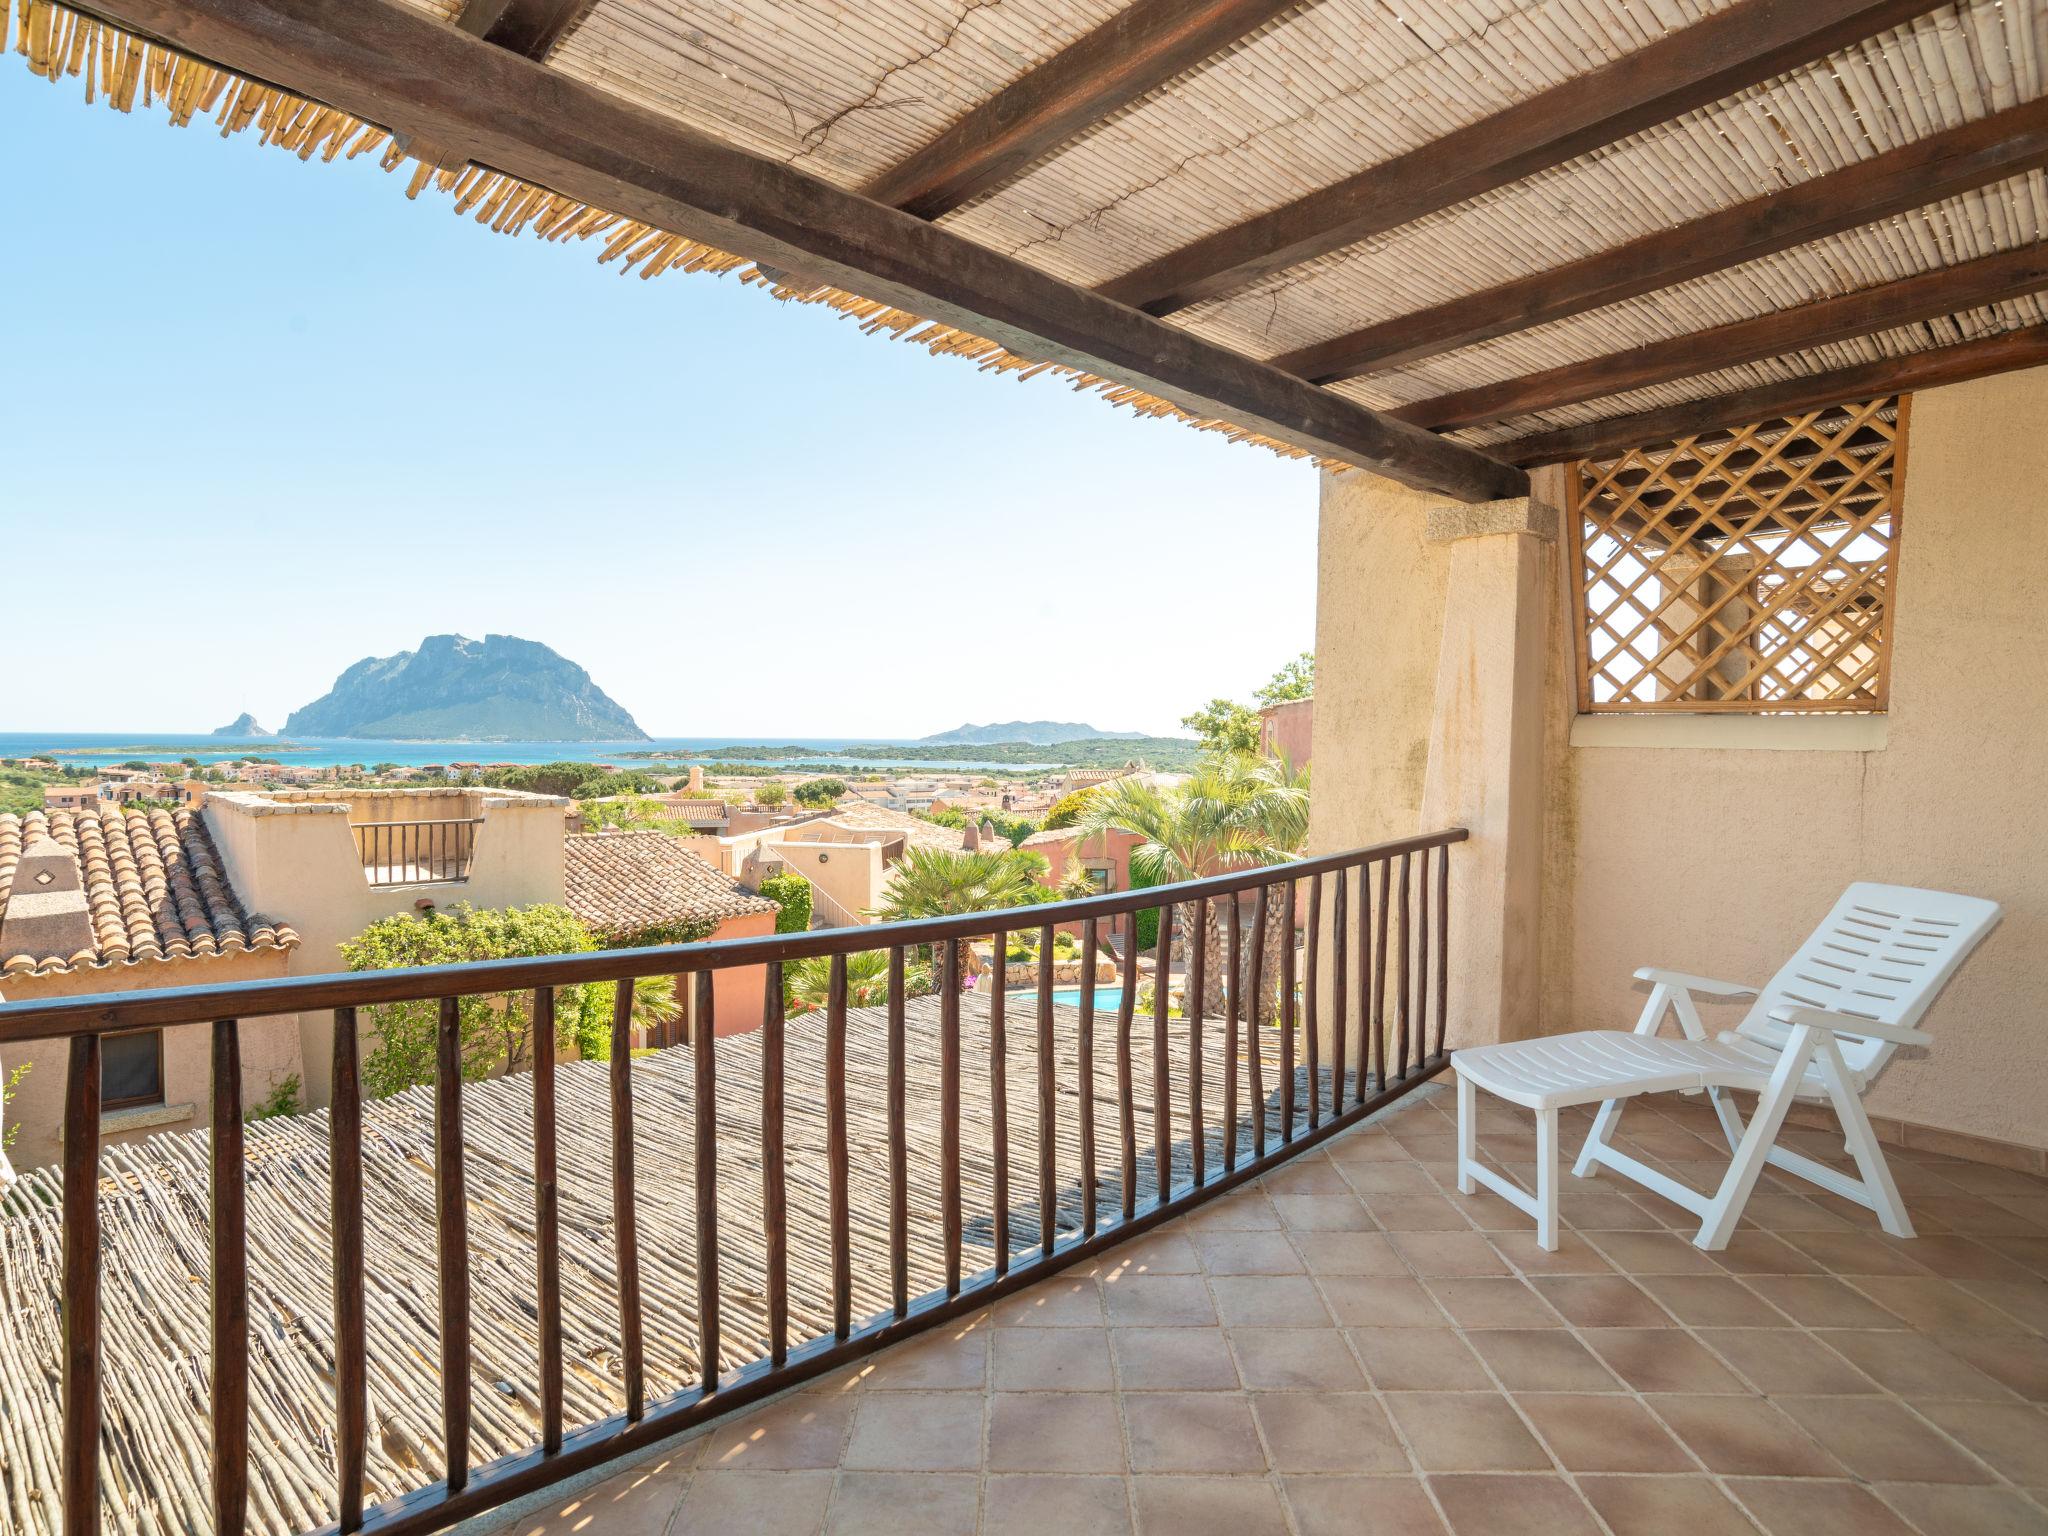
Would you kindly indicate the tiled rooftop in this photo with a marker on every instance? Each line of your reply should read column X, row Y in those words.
column 1350, row 1346
column 623, row 883
column 153, row 884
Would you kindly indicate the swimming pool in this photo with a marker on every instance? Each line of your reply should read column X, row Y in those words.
column 1108, row 995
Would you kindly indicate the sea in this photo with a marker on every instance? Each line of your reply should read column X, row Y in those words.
column 99, row 749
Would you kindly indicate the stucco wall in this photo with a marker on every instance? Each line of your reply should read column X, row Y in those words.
column 270, row 1052
column 1718, row 861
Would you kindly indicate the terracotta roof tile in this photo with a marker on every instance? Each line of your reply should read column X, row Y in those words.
column 622, row 883
column 153, row 884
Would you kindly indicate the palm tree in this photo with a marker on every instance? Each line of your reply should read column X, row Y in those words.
column 806, row 984
column 940, row 882
column 1233, row 812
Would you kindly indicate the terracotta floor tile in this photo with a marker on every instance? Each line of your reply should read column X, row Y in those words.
column 1913, row 1365
column 1654, row 1253
column 2025, row 1301
column 1054, row 1432
column 1328, row 1432
column 1368, row 1146
column 1857, row 1253
column 915, row 1432
column 1953, row 1510
column 1494, row 1303
column 1208, row 1506
column 1820, row 1301
column 1574, row 1255
column 800, row 1432
column 1783, row 1213
column 1512, row 1506
column 1744, row 1436
column 1466, row 1432
column 638, row 1502
column 1664, row 1506
column 1974, row 1215
column 1349, row 1253
column 1934, row 1305
column 1660, row 1360
column 1052, row 1359
column 1032, row 1504
column 1383, row 1178
column 1310, row 1174
column 1416, row 1213
column 1247, row 1253
column 1269, row 1301
column 1207, row 1432
column 1246, row 1211
column 1324, row 1213
column 1603, row 1433
column 1375, row 1301
column 1965, row 1258
column 1298, row 1359
column 759, row 1503
column 1712, row 1301
column 1605, row 1210
column 1163, row 1252
column 902, row 1504
column 1065, row 1301
column 1542, row 1360
column 1419, row 1360
column 1817, row 1509
column 1361, row 1506
column 1775, row 1360
column 1448, row 1253
column 1765, row 1253
column 1881, row 1438
column 2018, row 1361
column 950, row 1357
column 1159, row 1301
column 2013, row 1437
column 1173, row 1360
column 1601, row 1301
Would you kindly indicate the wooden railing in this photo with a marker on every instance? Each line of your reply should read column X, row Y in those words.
column 416, row 852
column 1375, row 970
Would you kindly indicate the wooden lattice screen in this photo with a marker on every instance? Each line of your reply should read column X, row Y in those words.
column 1746, row 569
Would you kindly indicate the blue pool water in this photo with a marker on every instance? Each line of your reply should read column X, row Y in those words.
column 1108, row 995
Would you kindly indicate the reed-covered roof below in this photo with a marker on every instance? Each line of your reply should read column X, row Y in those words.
column 153, row 1208
column 1426, row 239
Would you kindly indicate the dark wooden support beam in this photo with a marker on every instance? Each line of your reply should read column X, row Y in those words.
column 1742, row 46
column 1944, row 291
column 2026, row 348
column 406, row 71
column 2006, row 144
column 1132, row 54
column 527, row 27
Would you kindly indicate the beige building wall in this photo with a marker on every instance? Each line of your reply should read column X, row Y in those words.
column 270, row 1053
column 1715, row 845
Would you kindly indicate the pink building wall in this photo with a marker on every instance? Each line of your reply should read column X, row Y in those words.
column 1284, row 730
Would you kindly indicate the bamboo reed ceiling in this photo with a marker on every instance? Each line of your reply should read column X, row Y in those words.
column 1282, row 103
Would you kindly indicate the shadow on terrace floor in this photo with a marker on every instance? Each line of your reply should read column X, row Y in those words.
column 1350, row 1346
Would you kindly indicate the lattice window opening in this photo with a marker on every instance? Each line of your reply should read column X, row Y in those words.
column 1744, row 570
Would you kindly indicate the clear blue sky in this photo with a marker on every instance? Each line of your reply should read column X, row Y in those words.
column 265, row 418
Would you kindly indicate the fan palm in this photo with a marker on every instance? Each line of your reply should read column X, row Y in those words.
column 807, row 983
column 939, row 882
column 1233, row 812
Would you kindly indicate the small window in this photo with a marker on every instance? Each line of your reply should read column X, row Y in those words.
column 1102, row 877
column 1743, row 570
column 132, row 1069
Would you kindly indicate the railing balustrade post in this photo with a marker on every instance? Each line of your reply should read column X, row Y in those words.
column 451, row 1217
column 1287, row 1018
column 1379, row 966
column 1443, row 944
column 1339, row 1013
column 999, row 1099
column 704, row 1106
column 1085, row 1049
column 1127, row 1109
column 899, row 1145
column 1048, row 1087
column 949, row 1108
column 774, row 1185
column 1313, row 1048
column 1401, row 997
column 230, row 1284
column 1372, row 1044
column 625, row 1208
column 1191, row 1010
column 1422, row 947
column 1162, row 1082
column 547, row 1221
column 1234, row 959
column 81, row 1464
column 1255, row 992
column 345, row 1207
column 835, row 1148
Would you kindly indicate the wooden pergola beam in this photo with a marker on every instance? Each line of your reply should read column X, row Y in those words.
column 1942, row 165
column 1943, row 291
column 2026, row 348
column 528, row 27
column 389, row 64
column 1728, row 52
column 1133, row 53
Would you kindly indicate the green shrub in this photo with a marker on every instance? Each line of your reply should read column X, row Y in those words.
column 791, row 894
column 283, row 1099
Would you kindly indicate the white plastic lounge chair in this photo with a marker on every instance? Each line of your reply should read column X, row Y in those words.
column 1822, row 1030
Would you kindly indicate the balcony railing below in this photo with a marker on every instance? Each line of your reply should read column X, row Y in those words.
column 416, row 852
column 1046, row 1136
